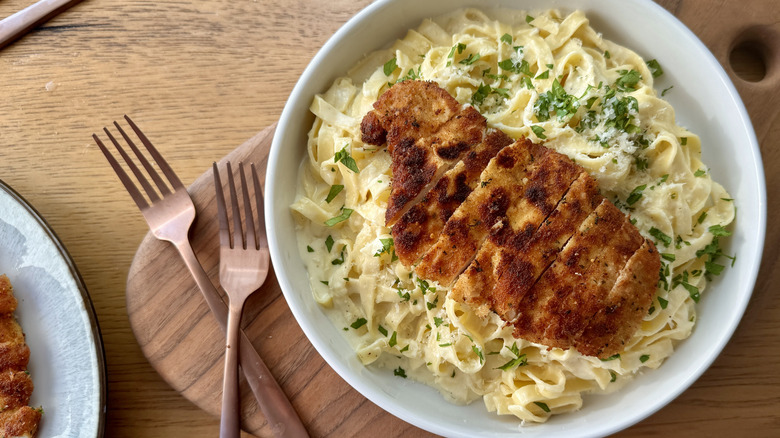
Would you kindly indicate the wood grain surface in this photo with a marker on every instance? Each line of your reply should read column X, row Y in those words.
column 202, row 77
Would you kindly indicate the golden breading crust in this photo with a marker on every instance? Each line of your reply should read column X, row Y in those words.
column 419, row 228
column 16, row 386
column 484, row 211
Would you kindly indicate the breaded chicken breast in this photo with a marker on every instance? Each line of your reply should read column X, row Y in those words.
column 521, row 230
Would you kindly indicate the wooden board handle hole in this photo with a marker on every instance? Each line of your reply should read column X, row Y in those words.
column 755, row 54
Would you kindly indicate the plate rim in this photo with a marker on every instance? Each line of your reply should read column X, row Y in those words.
column 97, row 336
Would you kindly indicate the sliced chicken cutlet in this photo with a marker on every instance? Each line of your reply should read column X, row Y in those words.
column 563, row 298
column 427, row 133
column 485, row 211
column 510, row 269
column 504, row 248
column 529, row 237
column 419, row 228
column 16, row 386
column 622, row 310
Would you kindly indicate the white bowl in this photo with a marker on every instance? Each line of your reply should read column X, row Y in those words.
column 706, row 102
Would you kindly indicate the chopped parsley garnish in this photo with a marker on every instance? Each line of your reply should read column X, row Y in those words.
column 471, row 59
column 664, row 178
column 411, row 75
column 636, row 194
column 390, row 66
column 702, row 216
column 519, row 360
column 613, row 357
column 335, row 189
column 340, row 260
column 529, row 19
column 628, row 80
column 614, row 376
column 668, row 257
column 663, row 302
column 479, row 96
column 683, row 141
column 432, row 304
column 309, row 248
column 329, row 242
column 448, row 344
column 345, row 214
column 543, row 75
column 713, row 268
column 539, row 131
column 699, row 173
column 360, row 322
column 438, row 321
column 655, row 68
column 478, row 352
column 503, row 92
column 557, row 102
column 693, row 291
column 424, row 286
column 544, row 406
column 644, row 358
column 606, row 54
column 460, row 47
column 640, row 163
column 400, row 372
column 325, row 282
column 393, row 341
column 387, row 247
column 660, row 235
column 406, row 347
column 666, row 90
column 346, row 159
column 521, row 67
column 506, row 38
column 382, row 330
column 719, row 231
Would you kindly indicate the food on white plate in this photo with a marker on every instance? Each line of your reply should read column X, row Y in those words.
column 17, row 419
column 370, row 226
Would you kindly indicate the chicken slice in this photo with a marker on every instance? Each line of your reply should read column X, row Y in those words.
column 427, row 133
column 506, row 245
column 517, row 266
column 419, row 228
column 622, row 310
column 484, row 211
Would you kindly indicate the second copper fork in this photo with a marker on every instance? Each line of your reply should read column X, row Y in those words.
column 243, row 268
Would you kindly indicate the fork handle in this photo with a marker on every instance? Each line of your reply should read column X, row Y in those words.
column 230, row 419
column 274, row 404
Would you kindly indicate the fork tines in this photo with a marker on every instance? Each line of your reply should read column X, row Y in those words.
column 250, row 233
column 136, row 194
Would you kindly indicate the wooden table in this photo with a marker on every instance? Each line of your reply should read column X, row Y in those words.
column 202, row 77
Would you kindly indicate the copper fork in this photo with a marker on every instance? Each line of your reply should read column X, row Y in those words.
column 170, row 215
column 243, row 267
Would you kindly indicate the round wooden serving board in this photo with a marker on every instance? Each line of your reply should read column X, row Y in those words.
column 184, row 344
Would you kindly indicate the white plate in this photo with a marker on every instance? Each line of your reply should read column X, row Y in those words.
column 66, row 352
column 706, row 102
